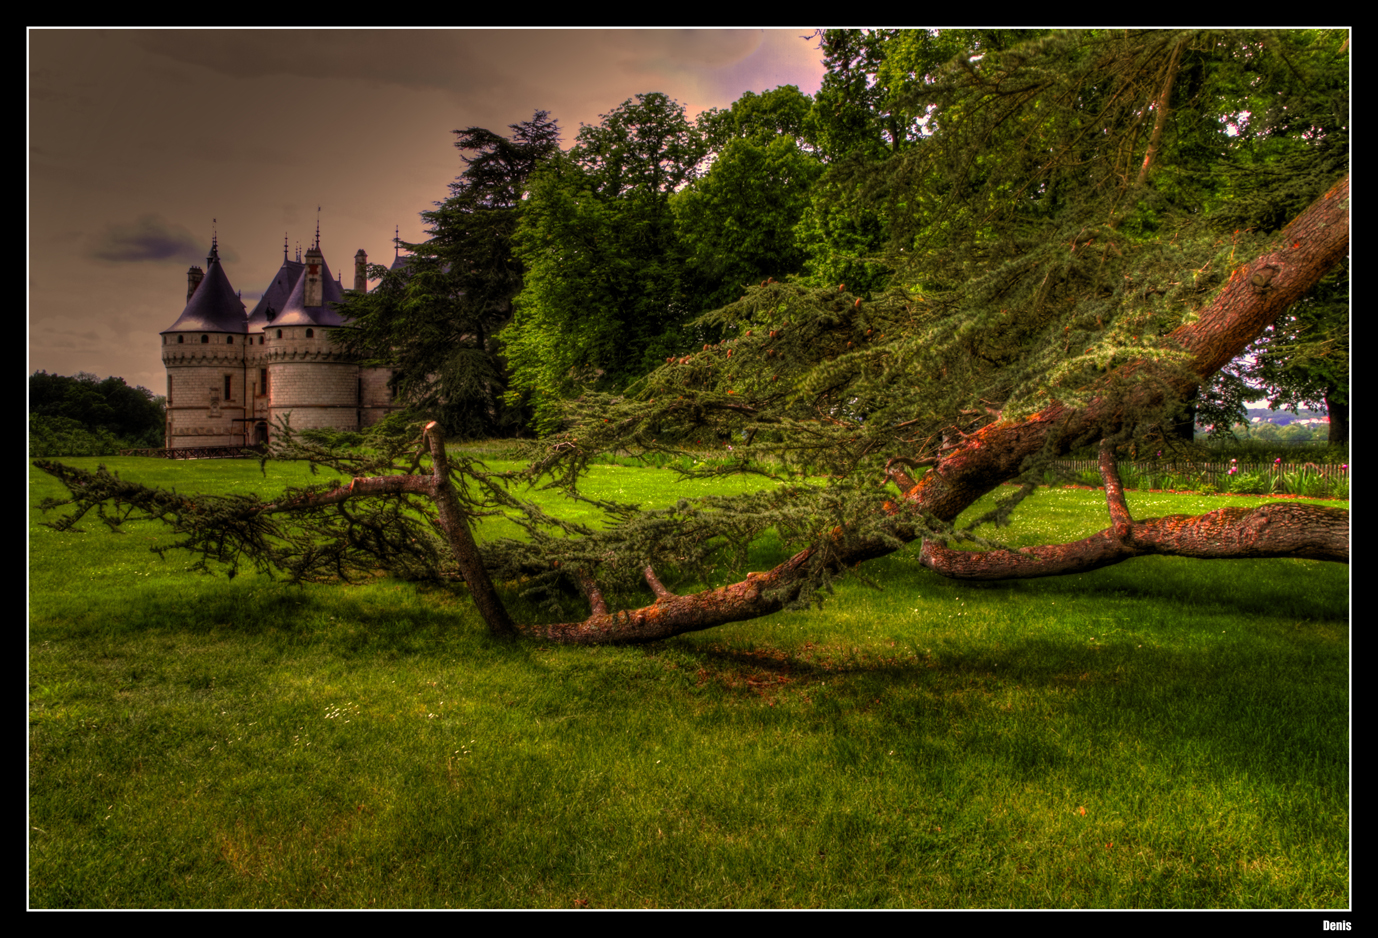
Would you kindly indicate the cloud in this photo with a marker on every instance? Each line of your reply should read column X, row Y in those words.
column 407, row 57
column 151, row 238
column 476, row 64
column 673, row 50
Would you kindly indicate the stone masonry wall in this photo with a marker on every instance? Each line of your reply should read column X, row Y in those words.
column 198, row 412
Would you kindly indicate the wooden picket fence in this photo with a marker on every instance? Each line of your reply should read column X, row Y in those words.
column 1285, row 478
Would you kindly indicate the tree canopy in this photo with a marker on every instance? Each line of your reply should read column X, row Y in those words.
column 606, row 292
column 1060, row 265
column 81, row 413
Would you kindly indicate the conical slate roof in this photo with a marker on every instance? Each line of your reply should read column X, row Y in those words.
column 276, row 296
column 295, row 312
column 214, row 307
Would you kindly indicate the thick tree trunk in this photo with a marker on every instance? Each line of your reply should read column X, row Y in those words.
column 1277, row 529
column 1256, row 294
column 1339, row 415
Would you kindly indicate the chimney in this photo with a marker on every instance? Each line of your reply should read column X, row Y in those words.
column 314, row 265
column 361, row 271
column 194, row 276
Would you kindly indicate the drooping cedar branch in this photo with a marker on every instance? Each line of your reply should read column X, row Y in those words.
column 226, row 528
column 452, row 518
column 455, row 523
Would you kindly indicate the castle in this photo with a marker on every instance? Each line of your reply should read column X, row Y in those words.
column 232, row 375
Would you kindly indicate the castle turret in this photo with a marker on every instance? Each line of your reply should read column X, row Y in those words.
column 310, row 379
column 203, row 352
column 315, row 263
column 361, row 271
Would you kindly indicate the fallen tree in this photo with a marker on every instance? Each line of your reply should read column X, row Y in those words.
column 371, row 522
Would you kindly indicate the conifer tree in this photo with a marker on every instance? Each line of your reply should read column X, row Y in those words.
column 435, row 320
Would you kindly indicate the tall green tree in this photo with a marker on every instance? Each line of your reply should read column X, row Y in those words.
column 737, row 221
column 869, row 109
column 604, row 299
column 783, row 111
column 435, row 320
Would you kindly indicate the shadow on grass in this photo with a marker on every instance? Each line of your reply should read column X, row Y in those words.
column 1255, row 705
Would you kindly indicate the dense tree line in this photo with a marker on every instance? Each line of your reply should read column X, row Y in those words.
column 927, row 160
column 83, row 415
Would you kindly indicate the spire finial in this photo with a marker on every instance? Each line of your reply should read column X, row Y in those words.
column 284, row 247
column 318, row 228
column 214, row 254
column 396, row 242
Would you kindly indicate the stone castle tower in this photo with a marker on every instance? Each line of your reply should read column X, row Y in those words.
column 231, row 375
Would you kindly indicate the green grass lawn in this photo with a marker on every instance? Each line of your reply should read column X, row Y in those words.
column 1162, row 733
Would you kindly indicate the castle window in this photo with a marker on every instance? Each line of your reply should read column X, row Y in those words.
column 263, row 381
column 228, row 396
column 260, row 340
column 180, row 338
column 310, row 333
column 205, row 339
column 279, row 333
column 229, row 340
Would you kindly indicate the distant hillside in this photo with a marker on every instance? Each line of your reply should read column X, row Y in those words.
column 1283, row 417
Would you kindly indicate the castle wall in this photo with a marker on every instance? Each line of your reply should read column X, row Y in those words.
column 198, row 411
column 375, row 398
column 310, row 380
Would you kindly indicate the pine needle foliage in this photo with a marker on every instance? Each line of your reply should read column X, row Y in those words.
column 1078, row 195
